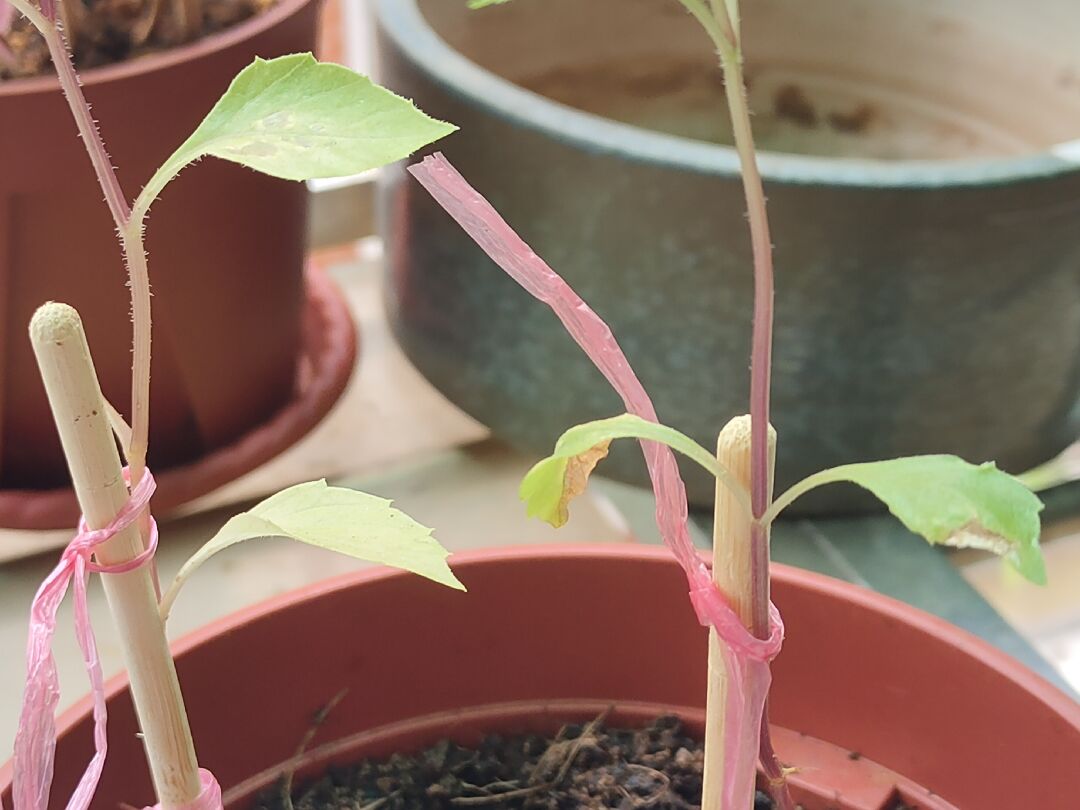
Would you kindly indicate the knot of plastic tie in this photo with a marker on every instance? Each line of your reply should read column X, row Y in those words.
column 35, row 741
column 87, row 539
column 714, row 611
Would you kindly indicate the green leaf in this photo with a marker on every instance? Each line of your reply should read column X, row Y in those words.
column 551, row 484
column 486, row 3
column 297, row 118
column 335, row 518
column 948, row 501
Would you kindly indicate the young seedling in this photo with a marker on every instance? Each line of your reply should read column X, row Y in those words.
column 943, row 498
column 292, row 118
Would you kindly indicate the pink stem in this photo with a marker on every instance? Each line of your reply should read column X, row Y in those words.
column 131, row 240
column 131, row 237
column 760, row 378
column 770, row 763
column 761, row 341
column 84, row 120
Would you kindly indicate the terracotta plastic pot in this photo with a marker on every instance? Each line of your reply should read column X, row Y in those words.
column 921, row 259
column 551, row 634
column 226, row 248
column 327, row 359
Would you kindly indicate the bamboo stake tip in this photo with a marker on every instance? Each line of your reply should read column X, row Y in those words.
column 736, row 433
column 55, row 323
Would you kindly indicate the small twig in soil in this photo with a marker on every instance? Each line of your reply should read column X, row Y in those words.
column 316, row 722
column 145, row 22
column 587, row 737
column 663, row 787
column 375, row 805
column 561, row 753
column 475, row 801
column 559, row 757
column 506, row 785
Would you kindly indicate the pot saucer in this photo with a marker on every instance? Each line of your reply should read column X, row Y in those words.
column 327, row 359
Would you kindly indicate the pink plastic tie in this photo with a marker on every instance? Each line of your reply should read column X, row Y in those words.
column 35, row 741
column 209, row 799
column 747, row 657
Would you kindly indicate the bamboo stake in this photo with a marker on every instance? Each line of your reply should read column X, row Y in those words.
column 82, row 422
column 732, row 550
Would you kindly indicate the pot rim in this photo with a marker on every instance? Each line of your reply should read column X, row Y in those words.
column 827, row 587
column 121, row 71
column 402, row 21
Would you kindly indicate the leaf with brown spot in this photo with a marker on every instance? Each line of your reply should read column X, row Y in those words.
column 949, row 502
column 550, row 485
column 576, row 476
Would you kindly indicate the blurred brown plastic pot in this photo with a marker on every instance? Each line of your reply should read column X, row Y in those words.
column 226, row 247
column 865, row 689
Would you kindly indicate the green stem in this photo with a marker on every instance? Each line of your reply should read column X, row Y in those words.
column 829, row 476
column 722, row 39
column 138, row 273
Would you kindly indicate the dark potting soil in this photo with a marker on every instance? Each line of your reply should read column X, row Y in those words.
column 584, row 766
column 102, row 32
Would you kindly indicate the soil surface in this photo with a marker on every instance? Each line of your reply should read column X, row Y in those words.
column 795, row 111
column 584, row 766
column 588, row 766
column 102, row 32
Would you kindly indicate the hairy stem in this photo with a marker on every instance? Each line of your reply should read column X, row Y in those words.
column 761, row 353
column 761, row 341
column 728, row 46
column 84, row 120
column 128, row 226
column 710, row 21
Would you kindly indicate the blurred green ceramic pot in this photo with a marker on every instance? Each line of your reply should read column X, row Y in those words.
column 924, row 200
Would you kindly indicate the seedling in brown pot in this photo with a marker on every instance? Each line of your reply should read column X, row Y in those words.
column 292, row 118
column 942, row 498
